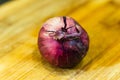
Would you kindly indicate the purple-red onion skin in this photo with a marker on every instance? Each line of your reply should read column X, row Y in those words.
column 63, row 42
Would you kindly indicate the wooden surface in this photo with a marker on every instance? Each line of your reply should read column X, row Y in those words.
column 20, row 22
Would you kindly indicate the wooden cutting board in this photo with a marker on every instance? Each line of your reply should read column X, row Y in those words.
column 21, row 20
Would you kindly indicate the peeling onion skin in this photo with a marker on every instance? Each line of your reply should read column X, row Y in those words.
column 63, row 42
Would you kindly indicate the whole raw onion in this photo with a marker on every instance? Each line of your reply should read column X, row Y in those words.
column 63, row 42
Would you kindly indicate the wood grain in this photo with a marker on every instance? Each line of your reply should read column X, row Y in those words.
column 21, row 20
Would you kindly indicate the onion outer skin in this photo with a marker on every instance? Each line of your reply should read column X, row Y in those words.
column 63, row 42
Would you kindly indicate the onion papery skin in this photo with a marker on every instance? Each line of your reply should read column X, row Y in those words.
column 63, row 42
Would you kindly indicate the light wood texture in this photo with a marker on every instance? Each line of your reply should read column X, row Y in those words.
column 21, row 20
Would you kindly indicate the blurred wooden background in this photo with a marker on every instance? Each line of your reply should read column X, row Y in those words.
column 20, row 21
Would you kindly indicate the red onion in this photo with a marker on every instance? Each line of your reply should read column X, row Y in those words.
column 63, row 42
